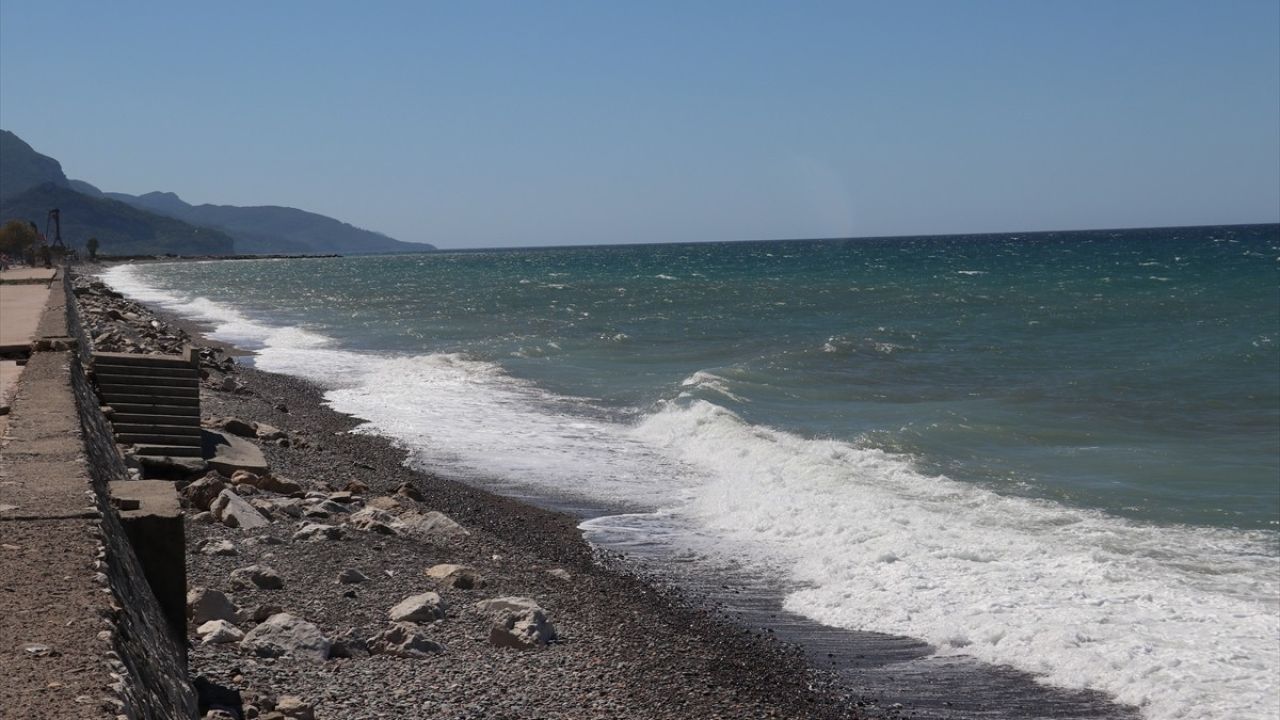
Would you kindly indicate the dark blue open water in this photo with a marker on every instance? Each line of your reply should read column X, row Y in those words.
column 1057, row 451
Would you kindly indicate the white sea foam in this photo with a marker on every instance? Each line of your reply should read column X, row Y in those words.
column 1180, row 621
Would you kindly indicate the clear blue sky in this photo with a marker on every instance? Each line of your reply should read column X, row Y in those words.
column 532, row 123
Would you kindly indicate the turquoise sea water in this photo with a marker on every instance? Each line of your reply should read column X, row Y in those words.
column 1052, row 441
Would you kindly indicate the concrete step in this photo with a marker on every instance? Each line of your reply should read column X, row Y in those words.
column 136, row 360
column 113, row 389
column 151, row 370
column 152, row 427
column 146, row 381
column 119, row 400
column 120, row 419
column 147, row 407
column 148, row 438
column 167, row 450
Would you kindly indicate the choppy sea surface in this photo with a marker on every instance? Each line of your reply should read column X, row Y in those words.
column 1054, row 451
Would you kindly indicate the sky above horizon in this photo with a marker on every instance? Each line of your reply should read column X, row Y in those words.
column 510, row 124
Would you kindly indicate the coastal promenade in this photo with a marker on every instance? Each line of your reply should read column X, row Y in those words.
column 24, row 293
column 74, row 614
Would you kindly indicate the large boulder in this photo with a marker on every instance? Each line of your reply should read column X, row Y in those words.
column 216, row 632
column 234, row 511
column 204, row 605
column 522, row 630
column 283, row 635
column 418, row 608
column 374, row 520
column 267, row 482
column 201, row 493
column 403, row 640
column 432, row 525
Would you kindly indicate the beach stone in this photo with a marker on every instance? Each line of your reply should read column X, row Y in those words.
column 233, row 511
column 221, row 548
column 236, row 426
column 289, row 506
column 284, row 635
column 432, row 524
column 204, row 518
column 351, row 576
column 409, row 491
column 403, row 640
column 295, row 708
column 374, row 520
column 418, row 608
column 244, row 490
column 268, row 432
column 262, row 611
column 461, row 577
column 200, row 493
column 266, row 482
column 204, row 605
column 560, row 573
column 522, row 630
column 350, row 643
column 217, row 632
column 259, row 576
column 244, row 477
column 342, row 497
column 356, row 487
column 318, row 532
column 383, row 503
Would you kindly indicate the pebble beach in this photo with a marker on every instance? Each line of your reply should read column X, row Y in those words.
column 362, row 588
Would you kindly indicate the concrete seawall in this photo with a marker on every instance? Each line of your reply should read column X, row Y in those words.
column 81, row 632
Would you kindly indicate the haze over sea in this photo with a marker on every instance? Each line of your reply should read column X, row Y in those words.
column 1056, row 451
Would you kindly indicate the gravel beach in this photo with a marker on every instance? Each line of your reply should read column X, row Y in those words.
column 350, row 532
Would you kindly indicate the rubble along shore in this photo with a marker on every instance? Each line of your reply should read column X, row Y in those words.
column 343, row 584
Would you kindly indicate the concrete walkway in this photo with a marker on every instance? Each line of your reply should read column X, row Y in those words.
column 24, row 293
column 51, row 656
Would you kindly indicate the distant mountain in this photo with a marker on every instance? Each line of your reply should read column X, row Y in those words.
column 150, row 221
column 273, row 229
column 121, row 229
column 22, row 168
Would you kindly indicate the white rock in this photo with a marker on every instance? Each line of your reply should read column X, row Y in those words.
column 217, row 547
column 234, row 511
column 204, row 605
column 285, row 635
column 418, row 608
column 402, row 640
column 216, row 632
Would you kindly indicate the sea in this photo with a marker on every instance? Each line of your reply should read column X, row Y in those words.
column 1052, row 452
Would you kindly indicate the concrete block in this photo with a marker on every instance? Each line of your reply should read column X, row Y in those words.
column 154, row 526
